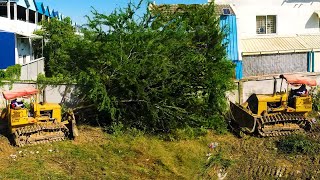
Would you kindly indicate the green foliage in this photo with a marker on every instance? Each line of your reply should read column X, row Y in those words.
column 219, row 160
column 298, row 144
column 315, row 93
column 186, row 133
column 13, row 72
column 59, row 38
column 157, row 72
column 37, row 46
column 2, row 74
column 116, row 129
column 26, row 104
column 59, row 79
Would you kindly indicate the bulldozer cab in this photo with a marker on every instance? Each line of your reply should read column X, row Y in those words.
column 17, row 114
column 298, row 97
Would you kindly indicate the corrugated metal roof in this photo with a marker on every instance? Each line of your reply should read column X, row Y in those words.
column 40, row 7
column 32, row 5
column 271, row 45
column 47, row 11
column 24, row 3
column 219, row 9
column 311, row 41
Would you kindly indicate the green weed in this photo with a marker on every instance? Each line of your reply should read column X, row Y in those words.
column 298, row 144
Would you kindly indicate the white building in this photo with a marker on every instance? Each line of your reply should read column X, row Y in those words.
column 18, row 21
column 277, row 36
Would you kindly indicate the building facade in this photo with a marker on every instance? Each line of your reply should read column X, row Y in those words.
column 18, row 20
column 277, row 36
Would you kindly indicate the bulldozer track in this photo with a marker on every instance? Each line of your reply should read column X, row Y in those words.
column 263, row 169
column 275, row 134
column 291, row 123
column 276, row 172
column 40, row 133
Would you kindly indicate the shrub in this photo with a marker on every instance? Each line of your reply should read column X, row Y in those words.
column 186, row 133
column 13, row 72
column 298, row 144
column 161, row 72
column 315, row 93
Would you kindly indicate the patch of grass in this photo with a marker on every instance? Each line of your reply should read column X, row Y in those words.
column 97, row 155
column 298, row 144
column 219, row 160
column 133, row 154
column 187, row 133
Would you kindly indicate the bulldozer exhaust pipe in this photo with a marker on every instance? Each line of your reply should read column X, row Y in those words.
column 44, row 96
column 274, row 86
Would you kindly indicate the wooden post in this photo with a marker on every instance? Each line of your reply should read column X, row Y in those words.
column 240, row 90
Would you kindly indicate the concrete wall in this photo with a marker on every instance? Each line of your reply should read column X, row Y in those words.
column 261, row 85
column 293, row 16
column 257, row 65
column 31, row 70
column 317, row 61
column 53, row 94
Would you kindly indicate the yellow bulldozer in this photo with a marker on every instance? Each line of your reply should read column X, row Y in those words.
column 282, row 113
column 41, row 122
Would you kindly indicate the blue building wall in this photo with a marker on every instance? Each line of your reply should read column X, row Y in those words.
column 7, row 49
column 229, row 24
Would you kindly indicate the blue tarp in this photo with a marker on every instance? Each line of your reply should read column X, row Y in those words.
column 238, row 69
column 229, row 24
column 7, row 49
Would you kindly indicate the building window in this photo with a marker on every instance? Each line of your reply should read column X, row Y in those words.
column 266, row 24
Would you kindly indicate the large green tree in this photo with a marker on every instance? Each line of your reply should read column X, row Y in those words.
column 157, row 71
column 60, row 39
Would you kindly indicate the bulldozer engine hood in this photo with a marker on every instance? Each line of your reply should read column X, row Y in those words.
column 298, row 79
column 9, row 95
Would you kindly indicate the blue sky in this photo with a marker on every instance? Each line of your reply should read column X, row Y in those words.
column 77, row 9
